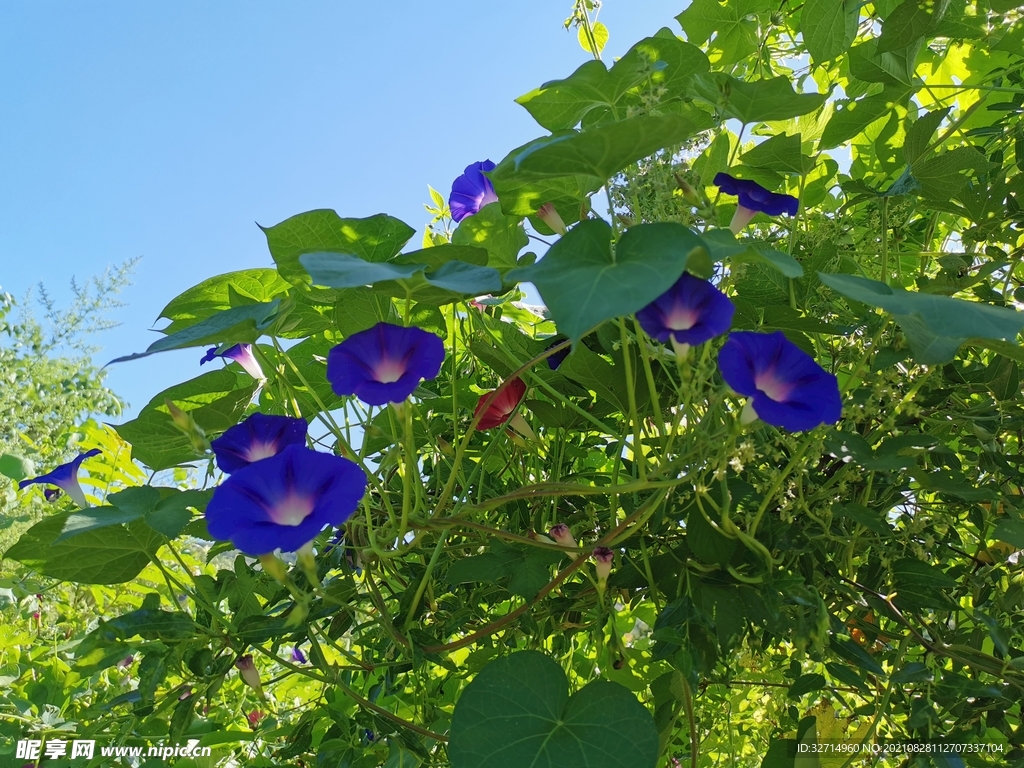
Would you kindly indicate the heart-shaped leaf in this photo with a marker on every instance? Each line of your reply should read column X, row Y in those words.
column 584, row 282
column 517, row 712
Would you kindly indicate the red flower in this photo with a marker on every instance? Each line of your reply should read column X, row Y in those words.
column 501, row 407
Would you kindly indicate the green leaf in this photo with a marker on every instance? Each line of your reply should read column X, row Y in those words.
column 94, row 518
column 850, row 118
column 583, row 283
column 829, row 27
column 910, row 21
column 872, row 66
column 735, row 33
column 920, row 585
column 940, row 176
column 173, row 512
column 16, row 467
column 604, row 151
column 523, row 570
column 755, row 101
column 1005, row 381
column 708, row 543
column 228, row 326
column 111, row 555
column 920, row 133
column 600, row 38
column 935, row 325
column 400, row 757
column 517, row 712
column 249, row 286
column 1011, row 531
column 779, row 153
column 361, row 308
column 561, row 104
column 806, row 684
column 501, row 236
column 853, row 653
column 375, row 238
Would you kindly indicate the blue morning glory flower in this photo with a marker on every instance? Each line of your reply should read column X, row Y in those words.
column 384, row 364
column 65, row 477
column 754, row 199
column 689, row 313
column 258, row 437
column 298, row 656
column 283, row 502
column 558, row 357
column 787, row 387
column 241, row 354
column 471, row 191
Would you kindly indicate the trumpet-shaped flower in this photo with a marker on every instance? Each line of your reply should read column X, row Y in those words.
column 65, row 477
column 562, row 535
column 284, row 501
column 690, row 312
column 549, row 216
column 471, row 191
column 258, row 437
column 241, row 354
column 754, row 199
column 384, row 364
column 787, row 387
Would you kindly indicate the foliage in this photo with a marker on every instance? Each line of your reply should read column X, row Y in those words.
column 856, row 582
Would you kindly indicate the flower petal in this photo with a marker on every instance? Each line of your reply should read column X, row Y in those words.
column 471, row 191
column 755, row 197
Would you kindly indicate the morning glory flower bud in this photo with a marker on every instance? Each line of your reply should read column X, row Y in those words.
column 689, row 193
column 603, row 558
column 284, row 501
column 258, row 437
column 251, row 676
column 241, row 354
column 549, row 216
column 787, row 387
column 65, row 477
column 187, row 425
column 471, row 191
column 690, row 312
column 562, row 535
column 754, row 199
column 384, row 364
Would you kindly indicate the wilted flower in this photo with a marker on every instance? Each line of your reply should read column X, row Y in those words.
column 250, row 675
column 284, row 501
column 786, row 386
column 65, row 477
column 690, row 312
column 126, row 662
column 298, row 656
column 258, row 437
column 754, row 199
column 51, row 494
column 562, row 535
column 471, row 191
column 549, row 216
column 384, row 364
column 502, row 407
column 241, row 354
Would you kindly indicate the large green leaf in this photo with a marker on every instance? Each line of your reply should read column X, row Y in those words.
column 584, row 282
column 940, row 176
column 16, row 467
column 779, row 153
column 829, row 27
column 604, row 151
column 517, row 712
column 227, row 326
column 757, row 100
column 873, row 66
column 936, row 326
column 501, row 236
column 215, row 400
column 735, row 31
column 234, row 289
column 111, row 555
column 910, row 21
column 375, row 238
column 850, row 118
column 561, row 104
column 523, row 570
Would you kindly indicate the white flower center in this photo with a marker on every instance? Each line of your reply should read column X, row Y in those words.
column 292, row 510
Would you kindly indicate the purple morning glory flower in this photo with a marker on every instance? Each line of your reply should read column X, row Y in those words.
column 384, row 364
column 754, row 199
column 786, row 386
column 241, row 354
column 689, row 313
column 258, row 437
column 471, row 191
column 284, row 501
column 65, row 477
column 298, row 656
column 558, row 358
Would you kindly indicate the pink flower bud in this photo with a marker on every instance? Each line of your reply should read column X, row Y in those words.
column 250, row 674
column 562, row 535
column 603, row 558
column 549, row 216
column 254, row 718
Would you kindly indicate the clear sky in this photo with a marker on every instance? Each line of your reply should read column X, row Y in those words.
column 166, row 129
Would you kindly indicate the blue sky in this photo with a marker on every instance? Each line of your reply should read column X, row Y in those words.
column 166, row 130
